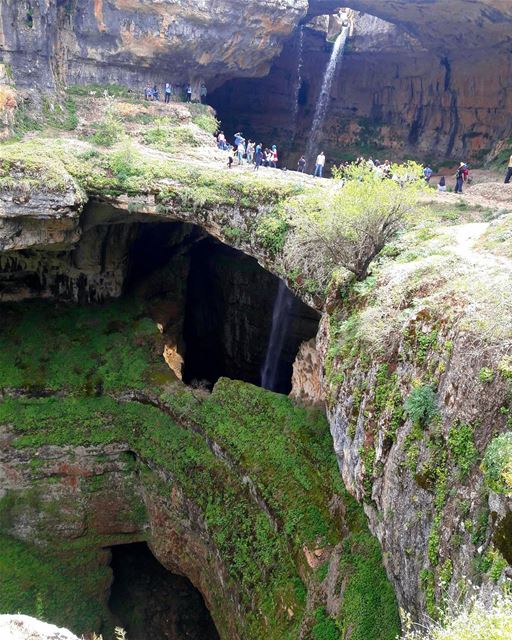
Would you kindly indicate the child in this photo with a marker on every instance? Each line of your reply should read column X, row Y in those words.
column 231, row 157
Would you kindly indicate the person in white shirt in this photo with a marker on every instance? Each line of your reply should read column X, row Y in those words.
column 319, row 165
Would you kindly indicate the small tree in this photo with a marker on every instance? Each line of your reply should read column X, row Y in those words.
column 350, row 226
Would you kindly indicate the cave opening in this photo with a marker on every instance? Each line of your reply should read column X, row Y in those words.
column 218, row 306
column 151, row 603
column 229, row 319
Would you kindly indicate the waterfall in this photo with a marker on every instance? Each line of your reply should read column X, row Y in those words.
column 298, row 83
column 323, row 99
column 280, row 322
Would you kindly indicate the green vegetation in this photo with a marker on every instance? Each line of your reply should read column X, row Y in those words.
column 46, row 585
column 475, row 619
column 421, row 405
column 486, row 375
column 367, row 609
column 92, row 353
column 462, row 447
column 351, row 226
column 497, row 464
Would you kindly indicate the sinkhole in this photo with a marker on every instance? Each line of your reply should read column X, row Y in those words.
column 224, row 306
column 151, row 603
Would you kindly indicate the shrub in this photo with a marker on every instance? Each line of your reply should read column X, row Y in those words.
column 111, row 129
column 474, row 620
column 421, row 405
column 486, row 375
column 351, row 226
column 462, row 446
column 497, row 464
column 325, row 628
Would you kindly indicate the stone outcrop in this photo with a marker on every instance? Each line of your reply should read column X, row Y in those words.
column 135, row 43
column 25, row 628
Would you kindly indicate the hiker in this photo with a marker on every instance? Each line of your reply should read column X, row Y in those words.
column 168, row 92
column 221, row 141
column 155, row 93
column 231, row 157
column 147, row 93
column 240, row 151
column 268, row 157
column 427, row 174
column 238, row 139
column 509, row 171
column 442, row 184
column 189, row 93
column 249, row 152
column 465, row 174
column 273, row 157
column 459, row 177
column 203, row 92
column 258, row 156
column 320, row 164
column 301, row 164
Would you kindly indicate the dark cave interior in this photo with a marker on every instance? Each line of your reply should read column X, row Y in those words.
column 151, row 603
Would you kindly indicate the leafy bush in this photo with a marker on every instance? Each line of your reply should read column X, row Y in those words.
column 351, row 226
column 486, row 375
column 462, row 446
column 497, row 464
column 325, row 628
column 111, row 129
column 271, row 232
column 206, row 122
column 475, row 620
column 421, row 405
column 108, row 132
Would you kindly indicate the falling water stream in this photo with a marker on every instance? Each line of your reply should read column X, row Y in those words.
column 298, row 82
column 323, row 99
column 280, row 322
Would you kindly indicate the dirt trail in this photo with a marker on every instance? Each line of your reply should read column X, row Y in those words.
column 465, row 237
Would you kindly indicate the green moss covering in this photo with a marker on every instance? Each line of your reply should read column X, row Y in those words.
column 93, row 353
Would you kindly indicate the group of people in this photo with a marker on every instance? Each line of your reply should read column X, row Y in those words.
column 248, row 151
column 178, row 91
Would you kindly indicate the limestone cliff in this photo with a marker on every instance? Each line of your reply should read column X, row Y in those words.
column 127, row 42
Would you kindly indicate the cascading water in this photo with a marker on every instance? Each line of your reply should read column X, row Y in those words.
column 323, row 99
column 298, row 82
column 280, row 322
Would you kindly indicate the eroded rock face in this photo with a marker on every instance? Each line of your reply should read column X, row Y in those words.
column 136, row 42
column 394, row 93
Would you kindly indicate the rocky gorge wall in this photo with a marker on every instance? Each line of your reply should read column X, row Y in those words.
column 431, row 324
column 417, row 80
column 393, row 94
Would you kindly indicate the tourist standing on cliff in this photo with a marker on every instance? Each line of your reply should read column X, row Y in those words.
column 459, row 177
column 189, row 93
column 509, row 171
column 301, row 164
column 427, row 174
column 168, row 92
column 274, row 157
column 249, row 152
column 258, row 156
column 240, row 150
column 320, row 164
column 221, row 141
column 203, row 92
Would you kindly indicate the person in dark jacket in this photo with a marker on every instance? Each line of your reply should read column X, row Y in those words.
column 509, row 171
column 301, row 164
column 459, row 178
